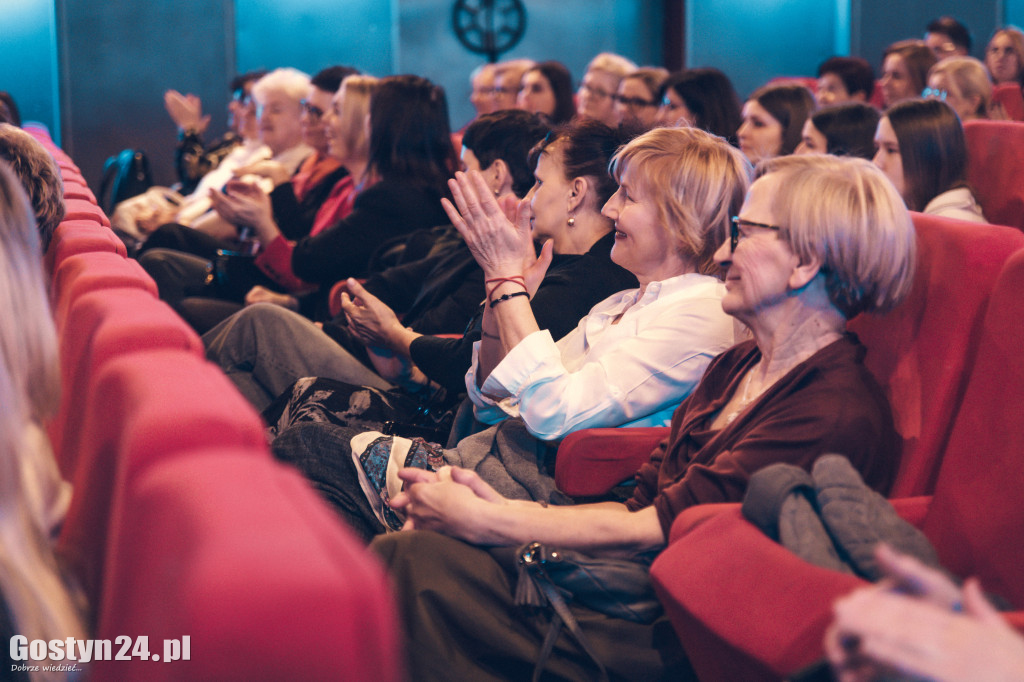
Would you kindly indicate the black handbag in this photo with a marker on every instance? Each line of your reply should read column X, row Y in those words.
column 126, row 174
column 548, row 579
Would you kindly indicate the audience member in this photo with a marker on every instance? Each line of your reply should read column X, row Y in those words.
column 1004, row 56
column 922, row 150
column 947, row 37
column 847, row 245
column 905, row 71
column 702, row 98
column 962, row 83
column 546, row 90
column 845, row 79
column 9, row 109
column 599, row 85
column 844, row 130
column 482, row 94
column 637, row 102
column 193, row 159
column 773, row 120
column 181, row 259
column 630, row 359
column 39, row 175
column 508, row 79
column 918, row 625
column 37, row 600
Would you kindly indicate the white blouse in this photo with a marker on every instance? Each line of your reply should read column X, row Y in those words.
column 956, row 203
column 633, row 373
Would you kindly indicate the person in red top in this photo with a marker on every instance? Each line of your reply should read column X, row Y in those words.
column 818, row 240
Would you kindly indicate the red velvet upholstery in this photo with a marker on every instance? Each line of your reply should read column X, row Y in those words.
column 745, row 608
column 81, row 209
column 80, row 236
column 995, row 169
column 593, row 461
column 94, row 271
column 1009, row 95
column 240, row 554
column 922, row 352
column 141, row 408
column 99, row 327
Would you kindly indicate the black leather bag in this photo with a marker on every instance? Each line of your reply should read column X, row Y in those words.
column 549, row 579
column 125, row 175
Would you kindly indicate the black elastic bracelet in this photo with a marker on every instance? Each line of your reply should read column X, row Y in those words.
column 505, row 297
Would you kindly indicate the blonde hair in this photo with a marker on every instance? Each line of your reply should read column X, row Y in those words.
column 847, row 214
column 612, row 63
column 41, row 602
column 967, row 77
column 358, row 90
column 696, row 180
column 39, row 176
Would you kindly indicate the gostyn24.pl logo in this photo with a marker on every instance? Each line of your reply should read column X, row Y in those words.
column 85, row 650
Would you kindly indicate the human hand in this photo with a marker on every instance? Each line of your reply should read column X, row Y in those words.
column 186, row 111
column 275, row 171
column 879, row 633
column 500, row 246
column 243, row 203
column 260, row 294
column 446, row 501
column 369, row 318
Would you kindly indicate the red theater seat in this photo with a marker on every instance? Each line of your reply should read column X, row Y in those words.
column 92, row 271
column 142, row 408
column 80, row 236
column 1010, row 97
column 995, row 169
column 746, row 608
column 81, row 209
column 240, row 555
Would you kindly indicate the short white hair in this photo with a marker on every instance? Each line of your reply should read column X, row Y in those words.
column 292, row 82
column 612, row 63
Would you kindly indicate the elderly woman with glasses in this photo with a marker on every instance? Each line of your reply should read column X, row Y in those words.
column 818, row 240
column 596, row 96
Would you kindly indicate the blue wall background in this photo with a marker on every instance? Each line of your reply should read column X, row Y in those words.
column 94, row 71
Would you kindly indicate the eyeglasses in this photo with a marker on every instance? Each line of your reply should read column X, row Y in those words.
column 734, row 229
column 314, row 111
column 934, row 93
column 595, row 92
column 633, row 102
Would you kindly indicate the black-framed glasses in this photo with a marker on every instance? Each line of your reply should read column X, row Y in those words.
column 314, row 111
column 595, row 91
column 634, row 102
column 734, row 229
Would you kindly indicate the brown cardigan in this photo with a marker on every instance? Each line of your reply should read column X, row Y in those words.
column 829, row 403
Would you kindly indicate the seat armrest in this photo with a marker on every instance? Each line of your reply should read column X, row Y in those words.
column 593, row 461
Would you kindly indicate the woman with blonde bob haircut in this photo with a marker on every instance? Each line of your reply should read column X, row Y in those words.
column 39, row 601
column 798, row 390
column 963, row 83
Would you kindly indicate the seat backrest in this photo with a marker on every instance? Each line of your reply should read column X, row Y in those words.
column 142, row 408
column 80, row 236
column 81, row 273
column 1010, row 97
column 923, row 351
column 976, row 519
column 995, row 169
column 242, row 556
column 808, row 82
column 101, row 326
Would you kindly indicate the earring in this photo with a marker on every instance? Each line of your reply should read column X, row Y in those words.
column 571, row 221
column 497, row 193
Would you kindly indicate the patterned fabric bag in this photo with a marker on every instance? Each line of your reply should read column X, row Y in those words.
column 378, row 459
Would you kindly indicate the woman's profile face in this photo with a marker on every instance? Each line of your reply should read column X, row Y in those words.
column 674, row 112
column 642, row 245
column 760, row 134
column 549, row 196
column 336, row 127
column 536, row 95
column 895, row 81
column 635, row 105
column 887, row 154
column 812, row 141
column 757, row 272
column 316, row 105
column 1002, row 59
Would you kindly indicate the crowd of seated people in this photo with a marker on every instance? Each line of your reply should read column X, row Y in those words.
column 644, row 249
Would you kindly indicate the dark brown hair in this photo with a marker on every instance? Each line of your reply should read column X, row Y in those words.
column 932, row 148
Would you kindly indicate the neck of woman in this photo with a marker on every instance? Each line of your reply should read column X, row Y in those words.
column 791, row 341
column 356, row 168
column 580, row 237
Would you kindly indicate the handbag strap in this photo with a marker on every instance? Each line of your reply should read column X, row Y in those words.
column 563, row 616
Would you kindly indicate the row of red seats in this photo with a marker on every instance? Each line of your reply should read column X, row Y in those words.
column 948, row 359
column 181, row 523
